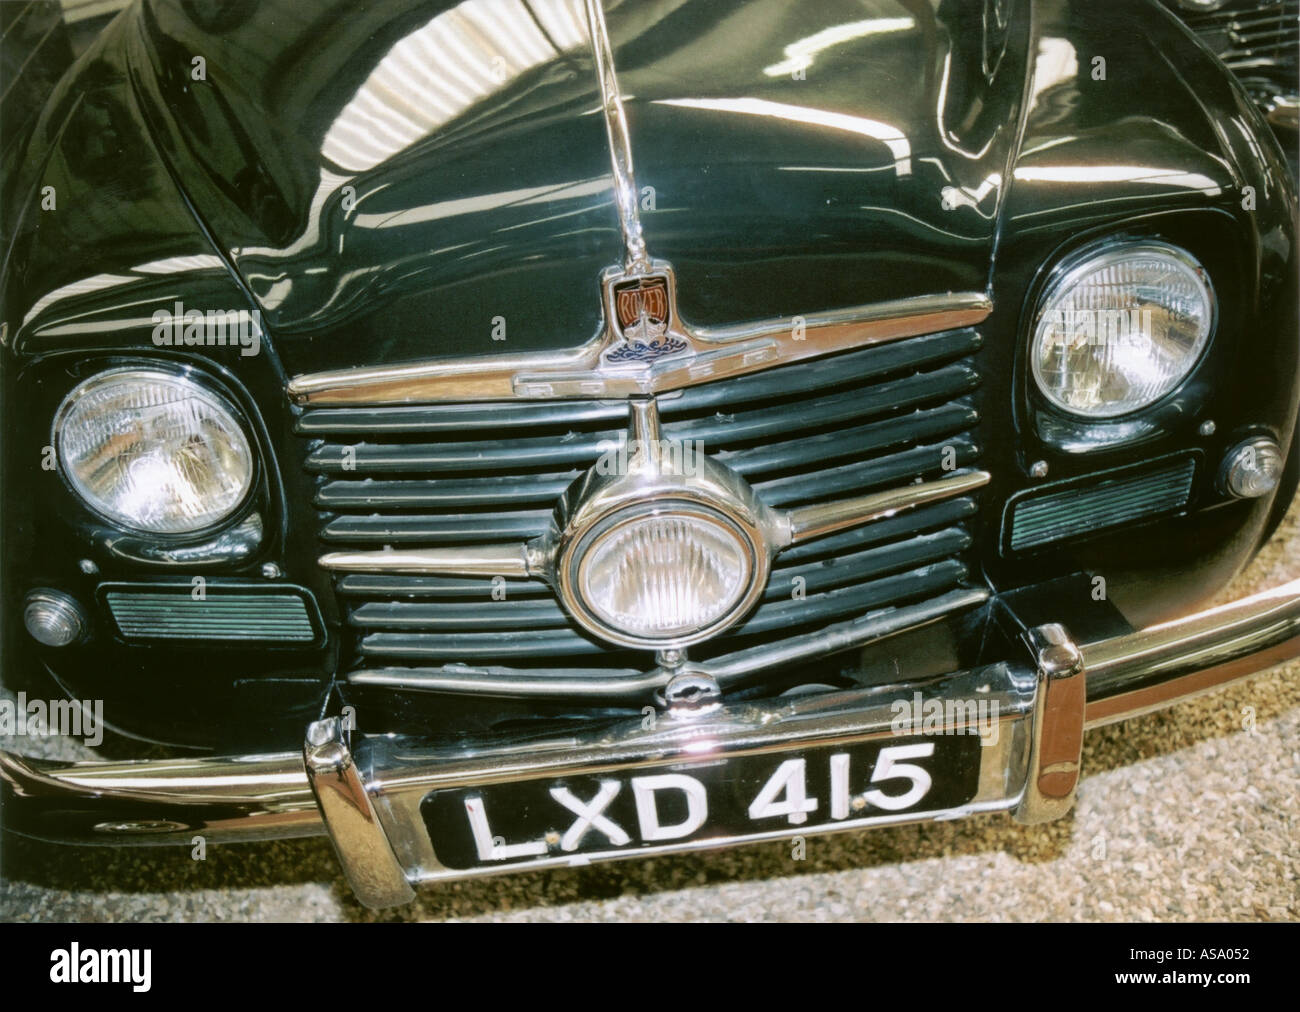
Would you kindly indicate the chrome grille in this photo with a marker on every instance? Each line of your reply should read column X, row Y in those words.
column 416, row 476
column 1258, row 41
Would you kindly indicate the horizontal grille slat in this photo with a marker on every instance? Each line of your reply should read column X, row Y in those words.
column 382, row 529
column 428, row 475
column 489, row 455
column 435, row 418
column 452, row 493
column 385, row 585
column 846, row 479
column 477, row 646
column 531, row 614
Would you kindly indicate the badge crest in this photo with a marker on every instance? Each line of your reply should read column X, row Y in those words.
column 642, row 321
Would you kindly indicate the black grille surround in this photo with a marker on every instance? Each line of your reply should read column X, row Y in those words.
column 459, row 474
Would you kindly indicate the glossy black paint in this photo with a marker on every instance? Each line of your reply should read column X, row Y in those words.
column 773, row 195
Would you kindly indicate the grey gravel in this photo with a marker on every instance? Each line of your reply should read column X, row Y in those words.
column 1182, row 815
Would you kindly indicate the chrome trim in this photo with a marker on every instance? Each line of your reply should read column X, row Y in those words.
column 1057, row 752
column 226, row 799
column 359, row 841
column 577, row 373
column 808, row 522
column 626, row 194
column 1161, row 665
column 1284, row 112
column 406, row 773
column 468, row 560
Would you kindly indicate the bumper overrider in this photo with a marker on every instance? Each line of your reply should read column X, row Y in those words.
column 402, row 812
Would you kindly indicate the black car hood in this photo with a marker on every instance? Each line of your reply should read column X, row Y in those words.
column 419, row 180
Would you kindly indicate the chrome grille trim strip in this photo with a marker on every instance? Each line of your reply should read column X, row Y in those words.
column 576, row 373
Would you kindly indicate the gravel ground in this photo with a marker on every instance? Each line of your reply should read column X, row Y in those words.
column 1182, row 815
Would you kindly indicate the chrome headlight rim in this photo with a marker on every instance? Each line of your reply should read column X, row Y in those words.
column 205, row 386
column 568, row 571
column 1067, row 273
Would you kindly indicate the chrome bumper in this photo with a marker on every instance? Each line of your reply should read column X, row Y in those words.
column 366, row 793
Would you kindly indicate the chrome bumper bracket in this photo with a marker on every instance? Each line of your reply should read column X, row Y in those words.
column 1057, row 741
column 349, row 817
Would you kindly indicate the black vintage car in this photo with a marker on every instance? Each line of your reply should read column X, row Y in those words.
column 528, row 432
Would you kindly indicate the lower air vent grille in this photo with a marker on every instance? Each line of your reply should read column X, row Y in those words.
column 283, row 615
column 1048, row 517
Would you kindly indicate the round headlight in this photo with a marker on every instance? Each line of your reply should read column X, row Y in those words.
column 1121, row 329
column 664, row 578
column 153, row 451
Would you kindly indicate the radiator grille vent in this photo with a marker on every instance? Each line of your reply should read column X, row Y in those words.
column 433, row 475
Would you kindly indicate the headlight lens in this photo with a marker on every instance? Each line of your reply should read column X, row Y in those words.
column 665, row 577
column 1117, row 332
column 153, row 451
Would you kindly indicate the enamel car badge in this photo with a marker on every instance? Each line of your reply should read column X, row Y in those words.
column 642, row 321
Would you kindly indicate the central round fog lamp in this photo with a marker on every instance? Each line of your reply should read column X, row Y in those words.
column 664, row 579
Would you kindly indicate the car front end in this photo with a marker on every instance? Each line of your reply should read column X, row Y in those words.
column 556, row 432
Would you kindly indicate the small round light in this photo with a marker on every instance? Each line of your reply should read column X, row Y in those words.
column 53, row 618
column 1121, row 329
column 153, row 451
column 1200, row 6
column 1253, row 469
column 664, row 578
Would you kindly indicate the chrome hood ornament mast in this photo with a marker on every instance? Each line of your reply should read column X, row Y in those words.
column 626, row 193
